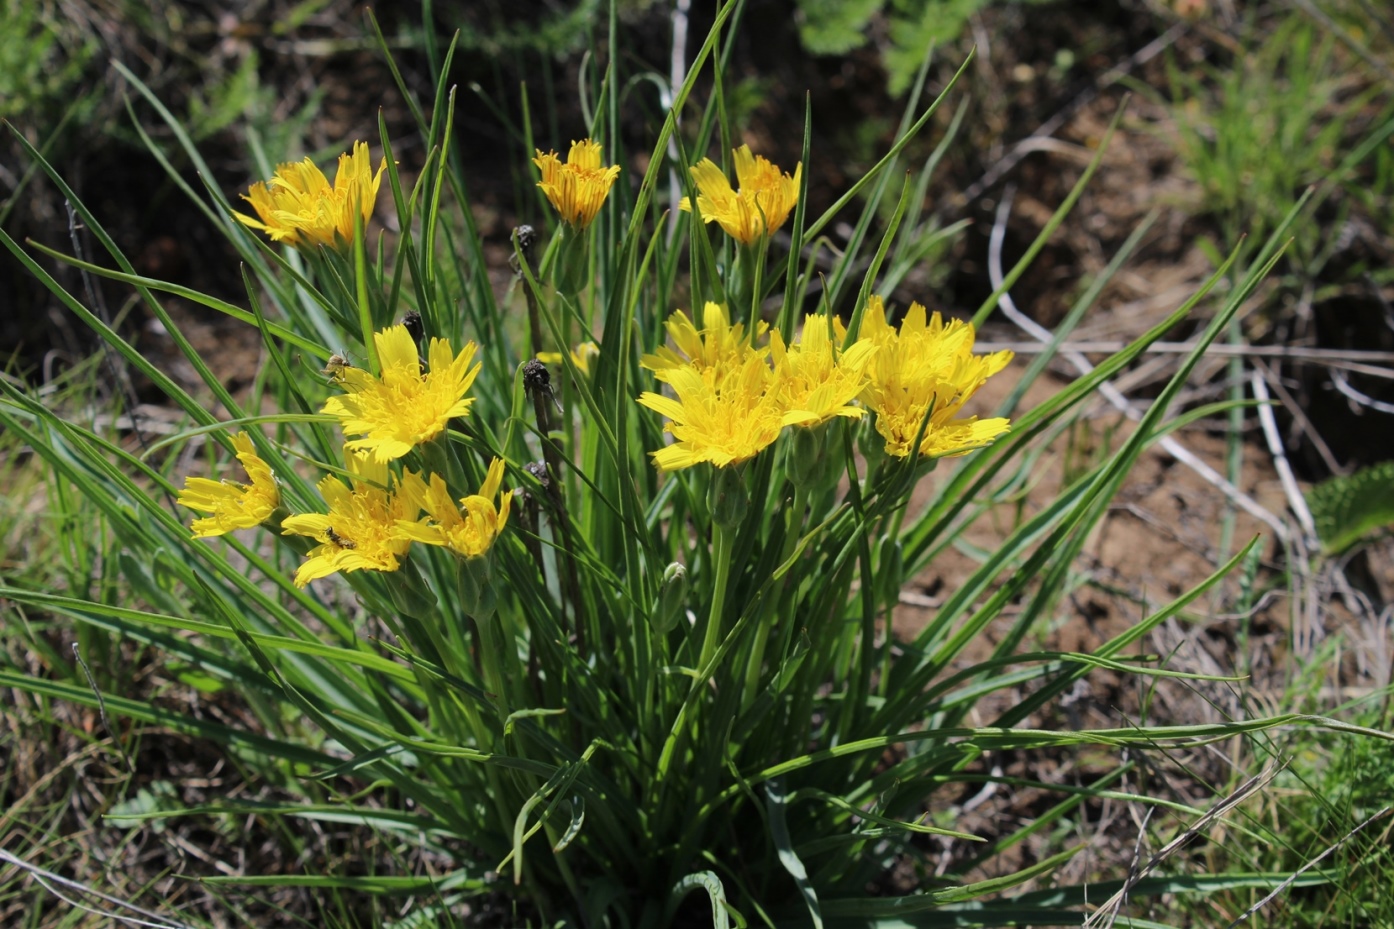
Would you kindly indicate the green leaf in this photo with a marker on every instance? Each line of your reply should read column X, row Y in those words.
column 775, row 801
column 922, row 25
column 834, row 27
column 1348, row 508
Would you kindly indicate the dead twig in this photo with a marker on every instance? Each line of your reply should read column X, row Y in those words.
column 1306, row 867
column 1296, row 500
column 51, row 882
column 1245, row 790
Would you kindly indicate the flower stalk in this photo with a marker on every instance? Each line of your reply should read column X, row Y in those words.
column 537, row 382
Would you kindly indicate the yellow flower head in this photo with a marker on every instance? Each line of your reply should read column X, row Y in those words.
column 406, row 405
column 763, row 203
column 299, row 207
column 579, row 187
column 927, row 369
column 581, row 356
column 720, row 416
column 233, row 505
column 359, row 533
column 468, row 530
column 817, row 380
column 717, row 345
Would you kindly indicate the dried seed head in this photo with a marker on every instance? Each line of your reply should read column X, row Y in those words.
column 524, row 237
column 536, row 378
column 538, row 469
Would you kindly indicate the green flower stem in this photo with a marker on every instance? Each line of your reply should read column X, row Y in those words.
column 572, row 266
column 360, row 277
column 793, row 526
column 491, row 659
column 721, row 557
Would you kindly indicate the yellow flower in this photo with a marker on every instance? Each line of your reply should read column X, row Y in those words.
column 406, row 406
column 720, row 416
column 298, row 207
column 927, row 369
column 233, row 505
column 359, row 533
column 468, row 530
column 579, row 187
column 717, row 345
column 581, row 357
column 763, row 203
column 817, row 380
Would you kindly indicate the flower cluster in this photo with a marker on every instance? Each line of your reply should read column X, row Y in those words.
column 921, row 376
column 731, row 389
column 373, row 520
column 733, row 397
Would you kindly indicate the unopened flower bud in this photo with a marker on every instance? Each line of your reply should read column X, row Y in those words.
column 474, row 581
column 728, row 497
column 672, row 598
column 524, row 237
column 572, row 262
column 811, row 457
column 536, row 378
column 871, row 443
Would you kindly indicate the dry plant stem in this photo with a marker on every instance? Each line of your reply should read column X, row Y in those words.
column 101, row 709
column 1339, row 381
column 1299, row 416
column 552, row 456
column 1250, row 787
column 1109, row 391
column 1306, row 867
column 1280, row 460
column 48, row 880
